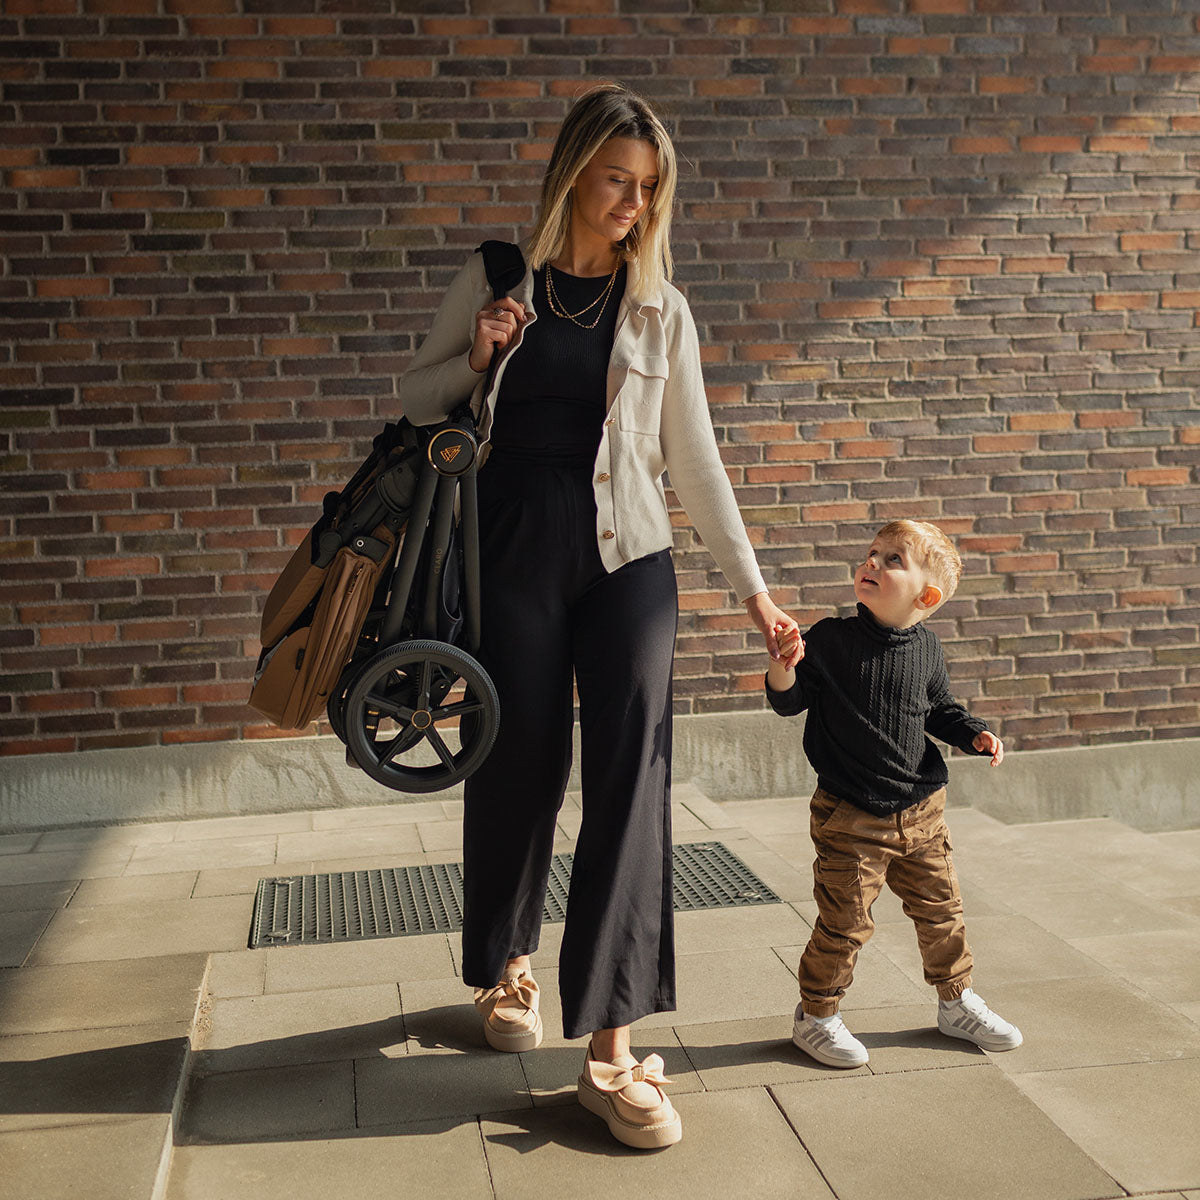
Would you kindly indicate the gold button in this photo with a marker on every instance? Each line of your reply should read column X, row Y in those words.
column 610, row 420
column 603, row 477
column 608, row 533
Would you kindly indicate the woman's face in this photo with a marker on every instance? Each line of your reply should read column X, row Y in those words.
column 614, row 190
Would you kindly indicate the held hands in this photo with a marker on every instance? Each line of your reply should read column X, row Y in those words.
column 987, row 742
column 494, row 329
column 774, row 624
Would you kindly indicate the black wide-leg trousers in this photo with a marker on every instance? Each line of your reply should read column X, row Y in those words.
column 552, row 613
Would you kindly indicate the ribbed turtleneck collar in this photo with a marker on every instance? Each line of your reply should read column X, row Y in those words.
column 886, row 634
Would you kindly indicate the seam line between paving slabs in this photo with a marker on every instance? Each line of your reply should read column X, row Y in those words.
column 803, row 1145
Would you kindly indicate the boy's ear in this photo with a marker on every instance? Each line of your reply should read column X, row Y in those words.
column 931, row 597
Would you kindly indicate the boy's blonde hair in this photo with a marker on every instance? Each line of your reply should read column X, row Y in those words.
column 931, row 548
column 606, row 112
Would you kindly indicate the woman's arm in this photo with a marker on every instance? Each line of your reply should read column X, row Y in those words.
column 697, row 473
column 440, row 377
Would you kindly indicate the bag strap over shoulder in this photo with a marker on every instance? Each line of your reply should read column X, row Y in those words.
column 505, row 266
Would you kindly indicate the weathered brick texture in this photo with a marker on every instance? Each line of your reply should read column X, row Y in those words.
column 943, row 255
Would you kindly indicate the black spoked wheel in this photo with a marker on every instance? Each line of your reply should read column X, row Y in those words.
column 420, row 716
column 335, row 708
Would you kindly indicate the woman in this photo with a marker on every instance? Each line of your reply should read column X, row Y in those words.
column 597, row 390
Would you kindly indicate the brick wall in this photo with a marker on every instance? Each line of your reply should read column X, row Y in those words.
column 943, row 254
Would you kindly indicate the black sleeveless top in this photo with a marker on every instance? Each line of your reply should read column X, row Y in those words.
column 553, row 396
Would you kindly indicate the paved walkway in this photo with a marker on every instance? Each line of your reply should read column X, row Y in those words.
column 145, row 1052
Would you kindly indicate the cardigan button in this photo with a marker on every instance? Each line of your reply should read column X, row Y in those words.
column 610, row 421
column 608, row 533
column 603, row 477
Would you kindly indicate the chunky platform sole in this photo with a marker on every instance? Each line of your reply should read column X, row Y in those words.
column 640, row 1137
column 513, row 1043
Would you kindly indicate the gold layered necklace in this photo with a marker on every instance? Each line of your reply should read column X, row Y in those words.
column 560, row 310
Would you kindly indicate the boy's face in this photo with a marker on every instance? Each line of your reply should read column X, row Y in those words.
column 894, row 585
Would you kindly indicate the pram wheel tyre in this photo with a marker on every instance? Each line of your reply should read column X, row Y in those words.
column 401, row 725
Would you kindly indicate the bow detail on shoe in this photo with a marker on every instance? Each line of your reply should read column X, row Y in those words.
column 606, row 1077
column 510, row 998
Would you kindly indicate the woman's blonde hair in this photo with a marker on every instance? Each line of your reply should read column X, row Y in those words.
column 600, row 114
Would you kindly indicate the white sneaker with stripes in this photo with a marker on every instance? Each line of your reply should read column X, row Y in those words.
column 827, row 1040
column 970, row 1019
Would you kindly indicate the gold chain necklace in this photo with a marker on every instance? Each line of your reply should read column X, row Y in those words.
column 559, row 309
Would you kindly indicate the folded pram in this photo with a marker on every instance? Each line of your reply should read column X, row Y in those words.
column 386, row 643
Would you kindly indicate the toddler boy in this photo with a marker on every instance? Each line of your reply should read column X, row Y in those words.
column 874, row 685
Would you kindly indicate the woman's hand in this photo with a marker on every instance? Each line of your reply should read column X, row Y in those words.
column 776, row 627
column 494, row 329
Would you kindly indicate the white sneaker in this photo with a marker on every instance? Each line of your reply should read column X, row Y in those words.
column 970, row 1019
column 827, row 1040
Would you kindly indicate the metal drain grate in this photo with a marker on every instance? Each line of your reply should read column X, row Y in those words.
column 352, row 906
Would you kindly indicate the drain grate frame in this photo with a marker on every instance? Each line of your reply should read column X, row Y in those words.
column 353, row 906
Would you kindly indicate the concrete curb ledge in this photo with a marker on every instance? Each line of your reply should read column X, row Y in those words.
column 1149, row 785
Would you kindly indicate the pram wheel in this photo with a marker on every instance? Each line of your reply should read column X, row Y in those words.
column 406, row 726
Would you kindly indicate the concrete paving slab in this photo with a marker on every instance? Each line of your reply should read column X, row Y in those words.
column 62, row 865
column 790, row 879
column 1180, row 839
column 1190, row 1009
column 382, row 843
column 441, row 836
column 878, row 982
column 1137, row 1120
column 237, row 973
column 176, row 885
column 1115, row 851
column 37, row 895
column 435, row 1160
column 1089, row 1022
column 440, row 1017
column 392, row 1091
column 1166, row 964
column 685, row 823
column 103, row 932
column 400, row 813
column 18, row 843
column 110, row 837
column 1098, row 911
column 136, row 991
column 91, row 1075
column 737, row 928
column 281, row 1102
column 346, row 964
column 195, row 856
column 243, row 881
column 1189, row 906
column 735, row 1143
column 766, row 817
column 117, row 1159
column 708, row 812
column 552, row 1071
column 928, row 1141
column 726, row 985
column 252, row 1032
column 751, row 1053
column 266, row 824
column 19, row 933
column 1006, row 950
column 906, row 1038
column 376, row 861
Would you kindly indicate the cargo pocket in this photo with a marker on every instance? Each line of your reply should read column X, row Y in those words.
column 639, row 403
column 838, row 893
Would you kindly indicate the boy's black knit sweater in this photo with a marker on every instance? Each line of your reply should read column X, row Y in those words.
column 872, row 694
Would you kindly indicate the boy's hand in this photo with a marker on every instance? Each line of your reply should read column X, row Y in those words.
column 791, row 644
column 988, row 743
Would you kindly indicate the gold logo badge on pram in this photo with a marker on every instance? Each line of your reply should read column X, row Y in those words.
column 451, row 451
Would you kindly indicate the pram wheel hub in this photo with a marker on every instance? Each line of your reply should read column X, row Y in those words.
column 451, row 451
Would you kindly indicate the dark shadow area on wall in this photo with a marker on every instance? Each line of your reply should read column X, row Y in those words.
column 941, row 254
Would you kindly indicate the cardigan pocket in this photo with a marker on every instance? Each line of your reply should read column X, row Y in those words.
column 639, row 403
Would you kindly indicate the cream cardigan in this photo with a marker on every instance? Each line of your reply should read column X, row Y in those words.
column 657, row 419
